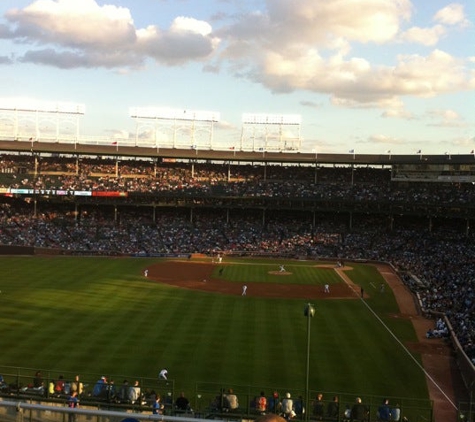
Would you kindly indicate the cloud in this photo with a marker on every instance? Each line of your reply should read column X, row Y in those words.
column 310, row 21
column 290, row 27
column 427, row 76
column 424, row 36
column 5, row 31
column 453, row 14
column 225, row 125
column 75, row 59
column 356, row 80
column 73, row 23
column 5, row 60
column 81, row 33
column 445, row 118
column 317, row 46
column 307, row 45
column 311, row 104
column 383, row 140
column 398, row 113
column 187, row 39
column 464, row 142
column 119, row 134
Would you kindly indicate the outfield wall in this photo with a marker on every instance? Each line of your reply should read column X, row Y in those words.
column 31, row 250
column 16, row 250
column 28, row 250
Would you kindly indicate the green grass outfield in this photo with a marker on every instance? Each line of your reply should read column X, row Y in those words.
column 101, row 316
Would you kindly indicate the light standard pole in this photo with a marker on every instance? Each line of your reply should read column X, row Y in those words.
column 309, row 312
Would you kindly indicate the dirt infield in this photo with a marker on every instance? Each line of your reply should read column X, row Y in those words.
column 443, row 379
column 197, row 276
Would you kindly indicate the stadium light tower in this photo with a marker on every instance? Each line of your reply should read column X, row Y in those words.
column 42, row 112
column 271, row 131
column 309, row 312
column 175, row 120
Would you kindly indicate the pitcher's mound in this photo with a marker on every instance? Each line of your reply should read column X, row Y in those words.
column 280, row 272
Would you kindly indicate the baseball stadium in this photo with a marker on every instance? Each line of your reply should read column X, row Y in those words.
column 326, row 279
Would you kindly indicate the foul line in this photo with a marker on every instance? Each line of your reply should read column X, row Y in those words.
column 350, row 283
column 409, row 353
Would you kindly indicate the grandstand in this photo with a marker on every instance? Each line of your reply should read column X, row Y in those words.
column 414, row 211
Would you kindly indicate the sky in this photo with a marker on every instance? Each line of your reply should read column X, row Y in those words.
column 369, row 76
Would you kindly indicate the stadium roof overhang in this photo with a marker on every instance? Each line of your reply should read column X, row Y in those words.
column 232, row 155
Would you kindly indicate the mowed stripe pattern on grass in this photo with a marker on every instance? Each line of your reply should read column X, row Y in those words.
column 99, row 315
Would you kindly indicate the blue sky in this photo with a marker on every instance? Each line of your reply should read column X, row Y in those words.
column 365, row 75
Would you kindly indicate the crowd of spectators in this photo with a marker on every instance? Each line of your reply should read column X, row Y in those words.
column 439, row 254
column 359, row 184
column 439, row 331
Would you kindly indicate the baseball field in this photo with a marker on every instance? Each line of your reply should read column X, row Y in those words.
column 102, row 316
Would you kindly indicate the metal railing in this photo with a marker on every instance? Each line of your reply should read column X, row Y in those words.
column 19, row 411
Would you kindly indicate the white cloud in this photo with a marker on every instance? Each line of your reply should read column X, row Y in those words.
column 355, row 82
column 312, row 72
column 383, row 140
column 305, row 45
column 427, row 76
column 291, row 28
column 399, row 114
column 184, row 24
column 424, row 36
column 449, row 16
column 81, row 33
column 310, row 21
column 187, row 39
column 445, row 118
column 74, row 23
column 453, row 14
